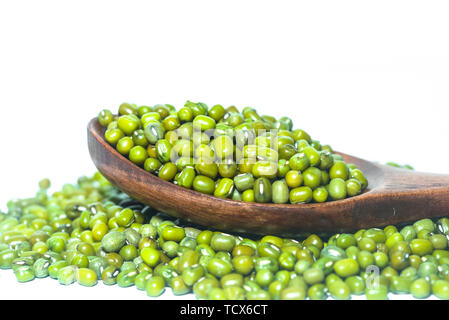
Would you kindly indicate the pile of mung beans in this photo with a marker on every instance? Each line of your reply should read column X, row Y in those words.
column 230, row 154
column 90, row 231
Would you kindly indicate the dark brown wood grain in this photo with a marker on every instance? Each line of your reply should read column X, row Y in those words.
column 393, row 196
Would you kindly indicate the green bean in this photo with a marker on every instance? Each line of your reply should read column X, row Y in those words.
column 67, row 275
column 356, row 284
column 155, row 286
column 86, row 277
column 346, row 267
column 24, row 273
column 6, row 258
column 440, row 288
column 337, row 189
column 301, row 195
column 128, row 123
column 421, row 247
column 222, row 242
column 55, row 267
column 379, row 293
column 244, row 181
column 113, row 241
column 293, row 293
column 243, row 264
column 219, row 267
column 40, row 268
column 312, row 177
column 339, row 290
column 203, row 286
column 224, row 188
column 317, row 292
column 420, row 288
column 313, row 275
column 204, row 184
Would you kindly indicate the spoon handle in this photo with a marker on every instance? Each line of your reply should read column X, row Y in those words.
column 403, row 196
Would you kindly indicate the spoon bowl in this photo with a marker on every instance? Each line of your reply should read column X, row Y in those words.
column 393, row 196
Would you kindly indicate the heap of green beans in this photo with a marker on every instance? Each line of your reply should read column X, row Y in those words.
column 89, row 232
column 230, row 154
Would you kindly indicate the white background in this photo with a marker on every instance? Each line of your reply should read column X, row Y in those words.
column 370, row 78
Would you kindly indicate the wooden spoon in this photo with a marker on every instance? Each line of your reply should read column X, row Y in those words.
column 394, row 196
